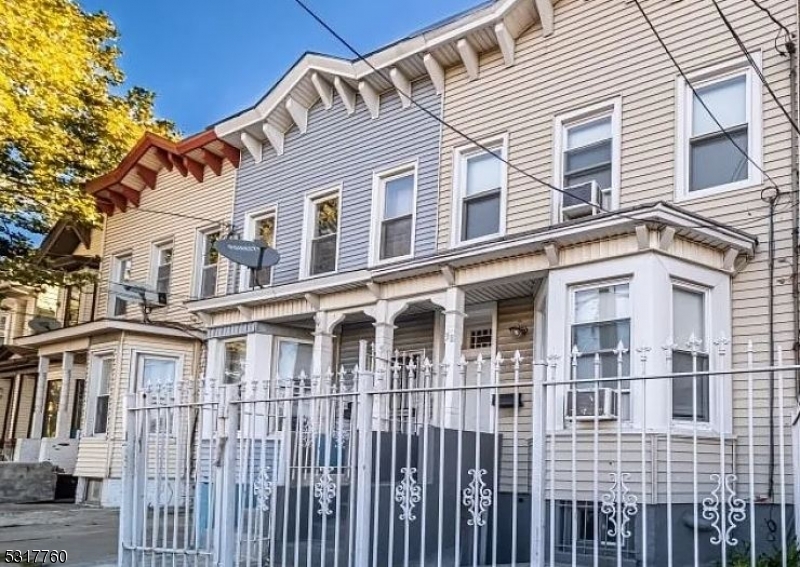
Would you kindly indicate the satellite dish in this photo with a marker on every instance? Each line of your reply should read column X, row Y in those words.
column 254, row 254
column 138, row 293
column 43, row 324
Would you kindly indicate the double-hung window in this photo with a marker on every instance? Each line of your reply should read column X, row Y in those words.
column 690, row 394
column 323, row 233
column 163, row 267
column 601, row 320
column 260, row 227
column 480, row 193
column 719, row 129
column 587, row 160
column 122, row 274
column 103, row 369
column 209, row 264
column 395, row 199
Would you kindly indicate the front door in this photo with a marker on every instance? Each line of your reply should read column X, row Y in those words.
column 478, row 342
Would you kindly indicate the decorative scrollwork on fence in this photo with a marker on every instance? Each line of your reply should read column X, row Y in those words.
column 620, row 506
column 408, row 494
column 325, row 491
column 477, row 498
column 262, row 489
column 736, row 509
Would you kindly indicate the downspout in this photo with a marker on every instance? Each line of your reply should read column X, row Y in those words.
column 795, row 187
column 770, row 196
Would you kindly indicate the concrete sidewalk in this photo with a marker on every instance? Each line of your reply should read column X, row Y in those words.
column 88, row 535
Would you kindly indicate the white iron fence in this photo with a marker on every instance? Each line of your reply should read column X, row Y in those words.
column 589, row 462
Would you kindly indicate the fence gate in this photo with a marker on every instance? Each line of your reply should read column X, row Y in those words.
column 595, row 460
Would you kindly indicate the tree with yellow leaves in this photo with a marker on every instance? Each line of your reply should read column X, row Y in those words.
column 64, row 119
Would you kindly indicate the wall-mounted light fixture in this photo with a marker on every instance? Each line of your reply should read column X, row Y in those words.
column 518, row 331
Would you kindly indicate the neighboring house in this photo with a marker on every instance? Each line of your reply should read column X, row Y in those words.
column 165, row 205
column 338, row 175
column 27, row 313
column 17, row 367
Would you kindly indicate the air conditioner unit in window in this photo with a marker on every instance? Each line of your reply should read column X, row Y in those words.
column 582, row 200
column 585, row 404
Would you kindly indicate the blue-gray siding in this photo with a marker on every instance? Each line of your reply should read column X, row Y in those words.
column 344, row 149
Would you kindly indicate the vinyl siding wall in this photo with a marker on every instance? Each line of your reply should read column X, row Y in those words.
column 137, row 231
column 341, row 149
column 603, row 50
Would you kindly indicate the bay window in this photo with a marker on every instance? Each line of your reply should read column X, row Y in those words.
column 234, row 357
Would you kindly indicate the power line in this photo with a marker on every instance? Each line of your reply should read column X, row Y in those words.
column 696, row 94
column 775, row 20
column 497, row 156
column 754, row 65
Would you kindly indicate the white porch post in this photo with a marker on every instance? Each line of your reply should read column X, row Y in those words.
column 258, row 362
column 38, row 407
column 453, row 338
column 323, row 345
column 62, row 422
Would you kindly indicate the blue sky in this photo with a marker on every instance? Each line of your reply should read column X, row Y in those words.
column 207, row 60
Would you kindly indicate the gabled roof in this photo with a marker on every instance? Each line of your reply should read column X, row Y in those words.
column 455, row 41
column 61, row 242
column 152, row 153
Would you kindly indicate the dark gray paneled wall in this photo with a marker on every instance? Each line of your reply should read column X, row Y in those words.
column 344, row 149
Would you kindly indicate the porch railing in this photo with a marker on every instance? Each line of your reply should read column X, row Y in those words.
column 485, row 462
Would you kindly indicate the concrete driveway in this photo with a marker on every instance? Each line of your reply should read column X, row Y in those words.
column 88, row 535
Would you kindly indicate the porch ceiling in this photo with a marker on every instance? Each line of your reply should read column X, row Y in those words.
column 502, row 290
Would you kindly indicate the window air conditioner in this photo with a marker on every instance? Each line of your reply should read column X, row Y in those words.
column 574, row 203
column 585, row 406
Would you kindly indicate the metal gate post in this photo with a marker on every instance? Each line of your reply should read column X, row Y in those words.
column 538, row 441
column 225, row 521
column 364, row 469
column 132, row 483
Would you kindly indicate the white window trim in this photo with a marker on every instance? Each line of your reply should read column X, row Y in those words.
column 612, row 108
column 250, row 221
column 379, row 178
column 308, row 218
column 91, row 404
column 753, row 104
column 460, row 155
column 197, row 275
column 137, row 354
column 116, row 260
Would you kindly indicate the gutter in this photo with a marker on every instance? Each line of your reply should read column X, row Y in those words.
column 571, row 232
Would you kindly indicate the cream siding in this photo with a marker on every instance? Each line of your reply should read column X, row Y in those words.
column 136, row 232
column 602, row 50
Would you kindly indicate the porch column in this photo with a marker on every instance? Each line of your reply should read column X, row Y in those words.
column 384, row 349
column 38, row 403
column 453, row 338
column 322, row 360
column 258, row 362
column 62, row 423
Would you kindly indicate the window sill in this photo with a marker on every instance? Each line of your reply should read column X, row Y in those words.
column 389, row 261
column 479, row 240
column 684, row 195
